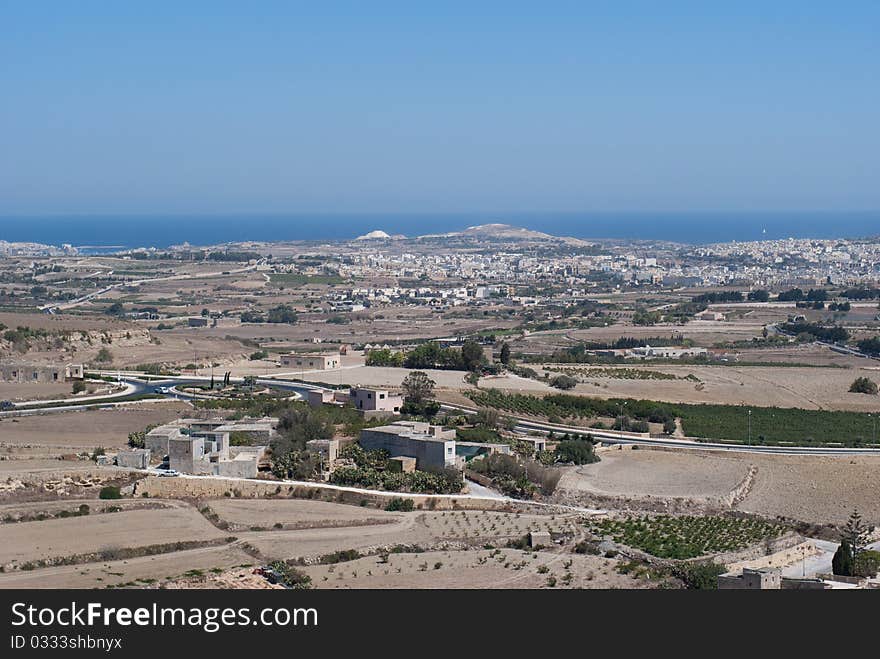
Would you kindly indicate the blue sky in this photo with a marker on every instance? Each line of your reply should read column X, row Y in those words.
column 272, row 107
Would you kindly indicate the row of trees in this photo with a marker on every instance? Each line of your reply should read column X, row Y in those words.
column 470, row 357
column 283, row 313
column 831, row 334
column 797, row 294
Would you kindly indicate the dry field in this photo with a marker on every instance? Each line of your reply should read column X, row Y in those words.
column 96, row 507
column 21, row 391
column 63, row 322
column 299, row 514
column 19, row 468
column 57, row 538
column 141, row 572
column 699, row 475
column 762, row 386
column 460, row 534
column 465, row 528
column 816, row 489
column 506, row 568
column 65, row 432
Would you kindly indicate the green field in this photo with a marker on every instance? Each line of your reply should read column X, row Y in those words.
column 684, row 537
column 769, row 425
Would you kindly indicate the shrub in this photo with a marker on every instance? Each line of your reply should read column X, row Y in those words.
column 867, row 563
column 699, row 576
column 563, row 382
column 290, row 576
column 576, row 451
column 104, row 356
column 110, row 492
column 341, row 556
column 842, row 561
column 863, row 385
column 402, row 505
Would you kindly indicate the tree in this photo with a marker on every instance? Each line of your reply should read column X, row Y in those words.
column 856, row 533
column 792, row 295
column 79, row 386
column 417, row 387
column 576, row 451
column 863, row 385
column 488, row 418
column 870, row 346
column 283, row 313
column 384, row 357
column 563, row 382
column 472, row 356
column 431, row 355
column 842, row 562
column 110, row 492
column 867, row 564
column 505, row 353
column 115, row 309
column 104, row 356
column 296, row 426
column 699, row 576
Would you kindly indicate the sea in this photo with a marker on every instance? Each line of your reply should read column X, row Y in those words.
column 104, row 233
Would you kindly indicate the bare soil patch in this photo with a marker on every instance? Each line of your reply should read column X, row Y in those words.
column 58, row 538
column 143, row 572
column 657, row 473
column 66, row 431
column 292, row 513
column 507, row 568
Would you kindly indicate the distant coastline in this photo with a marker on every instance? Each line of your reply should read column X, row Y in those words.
column 100, row 233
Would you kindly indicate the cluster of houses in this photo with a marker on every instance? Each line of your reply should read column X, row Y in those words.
column 209, row 447
column 239, row 448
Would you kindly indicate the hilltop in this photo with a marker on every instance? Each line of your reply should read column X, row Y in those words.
column 499, row 231
column 374, row 235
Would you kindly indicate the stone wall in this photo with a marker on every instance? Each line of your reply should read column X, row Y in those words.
column 779, row 552
column 218, row 487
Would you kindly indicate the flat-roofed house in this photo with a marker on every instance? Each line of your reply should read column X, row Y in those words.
column 321, row 361
column 376, row 402
column 431, row 446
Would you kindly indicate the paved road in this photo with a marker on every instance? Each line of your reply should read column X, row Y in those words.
column 136, row 386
